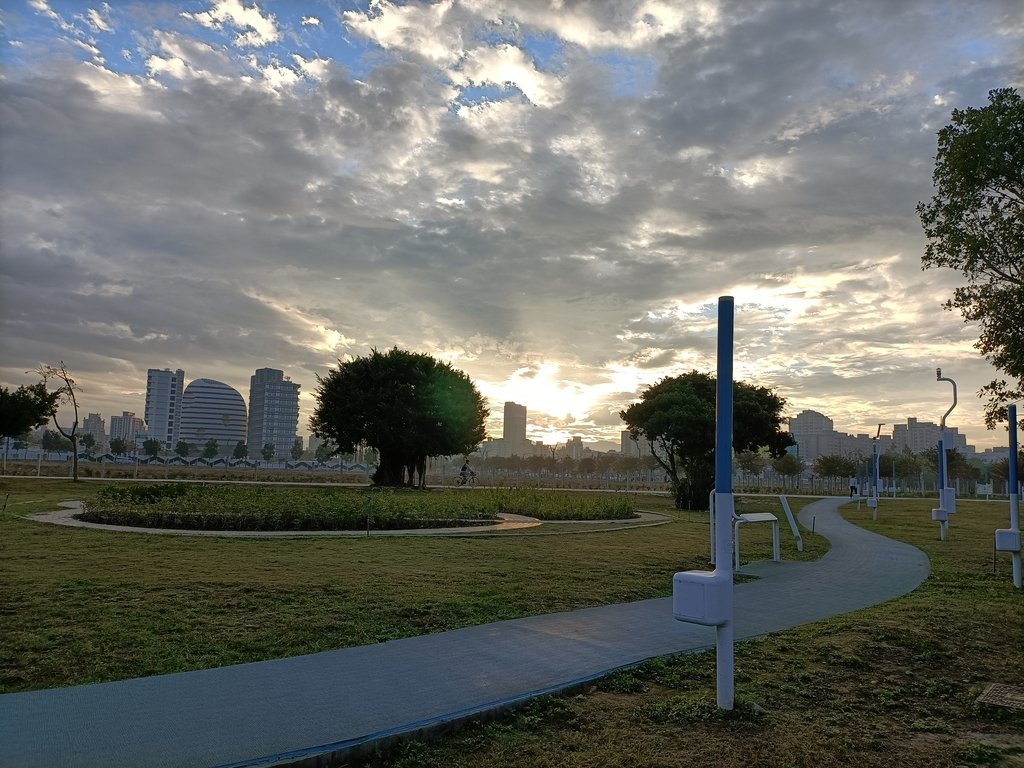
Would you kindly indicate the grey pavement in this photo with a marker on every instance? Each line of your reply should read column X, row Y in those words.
column 320, row 708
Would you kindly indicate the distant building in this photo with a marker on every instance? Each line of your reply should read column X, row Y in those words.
column 163, row 405
column 126, row 427
column 513, row 431
column 924, row 435
column 815, row 437
column 575, row 448
column 628, row 447
column 211, row 410
column 273, row 412
column 95, row 426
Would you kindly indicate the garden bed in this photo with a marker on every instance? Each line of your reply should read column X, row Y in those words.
column 262, row 508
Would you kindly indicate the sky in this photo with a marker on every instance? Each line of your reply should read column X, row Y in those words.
column 551, row 196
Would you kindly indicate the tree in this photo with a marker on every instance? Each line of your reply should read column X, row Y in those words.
column 52, row 441
column 65, row 394
column 211, row 449
column 119, row 446
column 834, row 466
column 975, row 225
column 676, row 417
column 788, row 465
column 407, row 406
column 297, row 449
column 325, row 450
column 241, row 450
column 751, row 462
column 151, row 447
column 26, row 408
column 87, row 441
column 183, row 449
column 907, row 465
column 268, row 451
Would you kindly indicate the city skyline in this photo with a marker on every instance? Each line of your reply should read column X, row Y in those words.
column 551, row 201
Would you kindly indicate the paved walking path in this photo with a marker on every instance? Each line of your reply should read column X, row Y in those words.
column 305, row 709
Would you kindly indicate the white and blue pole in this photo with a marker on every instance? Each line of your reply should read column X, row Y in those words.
column 706, row 597
column 1014, row 493
column 724, row 501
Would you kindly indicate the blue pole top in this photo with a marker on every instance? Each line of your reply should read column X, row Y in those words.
column 723, row 397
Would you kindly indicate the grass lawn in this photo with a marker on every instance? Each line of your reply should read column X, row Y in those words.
column 893, row 685
column 81, row 605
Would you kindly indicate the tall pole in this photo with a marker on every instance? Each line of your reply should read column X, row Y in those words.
column 1014, row 493
column 724, row 502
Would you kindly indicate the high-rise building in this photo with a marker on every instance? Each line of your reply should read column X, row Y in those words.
column 95, row 426
column 513, row 430
column 628, row 447
column 163, row 404
column 126, row 427
column 273, row 412
column 211, row 410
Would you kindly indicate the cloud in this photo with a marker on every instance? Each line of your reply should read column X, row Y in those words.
column 470, row 179
column 255, row 28
column 99, row 20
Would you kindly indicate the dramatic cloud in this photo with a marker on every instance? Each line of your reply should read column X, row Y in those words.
column 550, row 198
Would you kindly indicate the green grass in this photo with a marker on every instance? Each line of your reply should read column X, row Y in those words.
column 80, row 605
column 895, row 684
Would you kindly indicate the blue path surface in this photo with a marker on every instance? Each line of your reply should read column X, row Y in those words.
column 310, row 709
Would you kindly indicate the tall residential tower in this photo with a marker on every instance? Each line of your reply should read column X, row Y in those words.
column 163, row 405
column 273, row 412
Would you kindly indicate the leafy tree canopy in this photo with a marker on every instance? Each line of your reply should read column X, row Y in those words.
column 297, row 449
column 406, row 405
column 183, row 449
column 54, row 441
column 268, row 451
column 151, row 446
column 834, row 465
column 241, row 450
column 975, row 225
column 211, row 449
column 25, row 408
column 676, row 417
column 119, row 446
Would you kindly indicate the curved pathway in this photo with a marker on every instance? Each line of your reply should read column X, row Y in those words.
column 317, row 709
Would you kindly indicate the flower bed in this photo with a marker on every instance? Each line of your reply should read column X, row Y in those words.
column 267, row 508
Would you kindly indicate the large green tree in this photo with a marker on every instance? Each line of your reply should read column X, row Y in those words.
column 25, row 408
column 406, row 405
column 975, row 225
column 676, row 418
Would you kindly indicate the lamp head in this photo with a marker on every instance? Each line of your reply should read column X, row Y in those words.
column 938, row 374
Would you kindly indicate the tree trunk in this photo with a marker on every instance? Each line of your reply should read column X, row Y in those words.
column 390, row 470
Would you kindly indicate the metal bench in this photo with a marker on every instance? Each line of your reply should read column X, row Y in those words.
column 756, row 517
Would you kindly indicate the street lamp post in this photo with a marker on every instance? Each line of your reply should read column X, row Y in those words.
column 947, row 495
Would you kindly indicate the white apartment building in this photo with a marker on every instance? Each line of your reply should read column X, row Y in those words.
column 126, row 427
column 163, row 404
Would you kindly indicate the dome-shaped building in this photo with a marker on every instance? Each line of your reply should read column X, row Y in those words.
column 211, row 410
